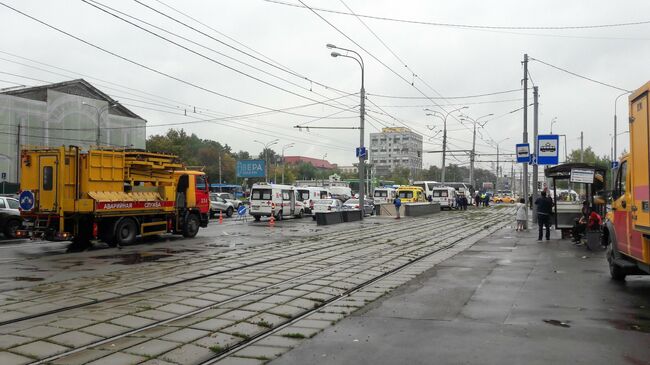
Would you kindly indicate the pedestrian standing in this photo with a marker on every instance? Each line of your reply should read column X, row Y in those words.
column 522, row 214
column 544, row 209
column 477, row 199
column 397, row 202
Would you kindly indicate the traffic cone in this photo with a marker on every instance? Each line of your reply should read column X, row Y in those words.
column 272, row 221
column 220, row 217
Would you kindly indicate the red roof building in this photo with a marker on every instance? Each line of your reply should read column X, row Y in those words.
column 316, row 162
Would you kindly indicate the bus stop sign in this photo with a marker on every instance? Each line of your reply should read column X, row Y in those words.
column 548, row 149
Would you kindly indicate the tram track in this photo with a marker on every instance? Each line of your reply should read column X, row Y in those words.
column 262, row 253
column 419, row 236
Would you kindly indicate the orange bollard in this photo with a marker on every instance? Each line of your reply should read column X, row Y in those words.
column 272, row 221
column 220, row 217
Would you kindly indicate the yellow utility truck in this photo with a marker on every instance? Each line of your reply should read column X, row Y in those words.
column 108, row 194
column 627, row 228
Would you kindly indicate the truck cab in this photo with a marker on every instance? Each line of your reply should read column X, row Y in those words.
column 627, row 228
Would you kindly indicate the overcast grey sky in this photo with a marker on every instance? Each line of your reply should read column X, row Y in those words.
column 448, row 61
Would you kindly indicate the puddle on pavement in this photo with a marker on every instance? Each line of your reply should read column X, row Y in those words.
column 27, row 278
column 555, row 322
column 134, row 258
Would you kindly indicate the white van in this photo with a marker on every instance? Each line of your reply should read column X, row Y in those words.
column 275, row 200
column 308, row 194
column 427, row 187
column 384, row 195
column 445, row 196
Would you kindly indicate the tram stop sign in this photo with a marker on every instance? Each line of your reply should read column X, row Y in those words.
column 523, row 152
column 548, row 146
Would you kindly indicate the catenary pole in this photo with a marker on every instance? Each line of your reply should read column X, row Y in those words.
column 535, row 132
column 524, row 175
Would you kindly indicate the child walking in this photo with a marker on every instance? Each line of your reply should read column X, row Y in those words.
column 522, row 215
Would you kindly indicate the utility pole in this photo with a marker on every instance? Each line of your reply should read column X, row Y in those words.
column 525, row 134
column 535, row 131
column 496, row 186
column 582, row 149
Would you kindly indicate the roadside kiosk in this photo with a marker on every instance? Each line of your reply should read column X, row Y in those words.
column 568, row 203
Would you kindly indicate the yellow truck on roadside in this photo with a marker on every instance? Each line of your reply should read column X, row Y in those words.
column 627, row 227
column 110, row 195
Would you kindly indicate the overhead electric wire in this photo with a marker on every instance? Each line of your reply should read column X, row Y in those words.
column 453, row 104
column 149, row 68
column 444, row 97
column 468, row 26
column 235, row 48
column 578, row 75
column 92, row 3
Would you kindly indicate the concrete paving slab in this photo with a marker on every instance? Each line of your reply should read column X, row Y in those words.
column 72, row 323
column 132, row 321
column 261, row 352
column 240, row 361
column 105, row 329
column 119, row 358
column 213, row 324
column 218, row 340
column 237, row 315
column 74, row 339
column 243, row 329
column 279, row 341
column 185, row 335
column 7, row 341
column 152, row 348
column 82, row 357
column 40, row 331
column 121, row 343
column 8, row 358
column 39, row 349
column 188, row 354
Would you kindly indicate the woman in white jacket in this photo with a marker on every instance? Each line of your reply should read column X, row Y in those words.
column 522, row 214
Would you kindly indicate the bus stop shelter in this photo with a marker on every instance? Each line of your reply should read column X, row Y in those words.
column 590, row 181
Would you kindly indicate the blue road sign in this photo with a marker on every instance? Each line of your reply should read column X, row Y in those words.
column 241, row 210
column 548, row 146
column 532, row 160
column 614, row 165
column 362, row 152
column 523, row 152
column 26, row 200
column 250, row 168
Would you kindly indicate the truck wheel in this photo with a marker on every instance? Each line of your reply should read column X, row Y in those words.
column 11, row 227
column 229, row 212
column 615, row 271
column 301, row 214
column 257, row 218
column 126, row 231
column 191, row 227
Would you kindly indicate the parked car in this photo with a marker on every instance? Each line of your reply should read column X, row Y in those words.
column 353, row 204
column 230, row 198
column 219, row 204
column 10, row 219
column 326, row 206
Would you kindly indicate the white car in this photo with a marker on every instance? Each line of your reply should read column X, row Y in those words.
column 218, row 204
column 327, row 206
column 229, row 198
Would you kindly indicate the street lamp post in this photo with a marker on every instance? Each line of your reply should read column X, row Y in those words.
column 362, row 112
column 473, row 153
column 266, row 159
column 286, row 146
column 615, row 129
column 497, row 145
column 444, row 137
column 99, row 116
column 553, row 121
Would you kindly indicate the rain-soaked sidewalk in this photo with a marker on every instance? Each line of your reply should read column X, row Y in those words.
column 507, row 300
